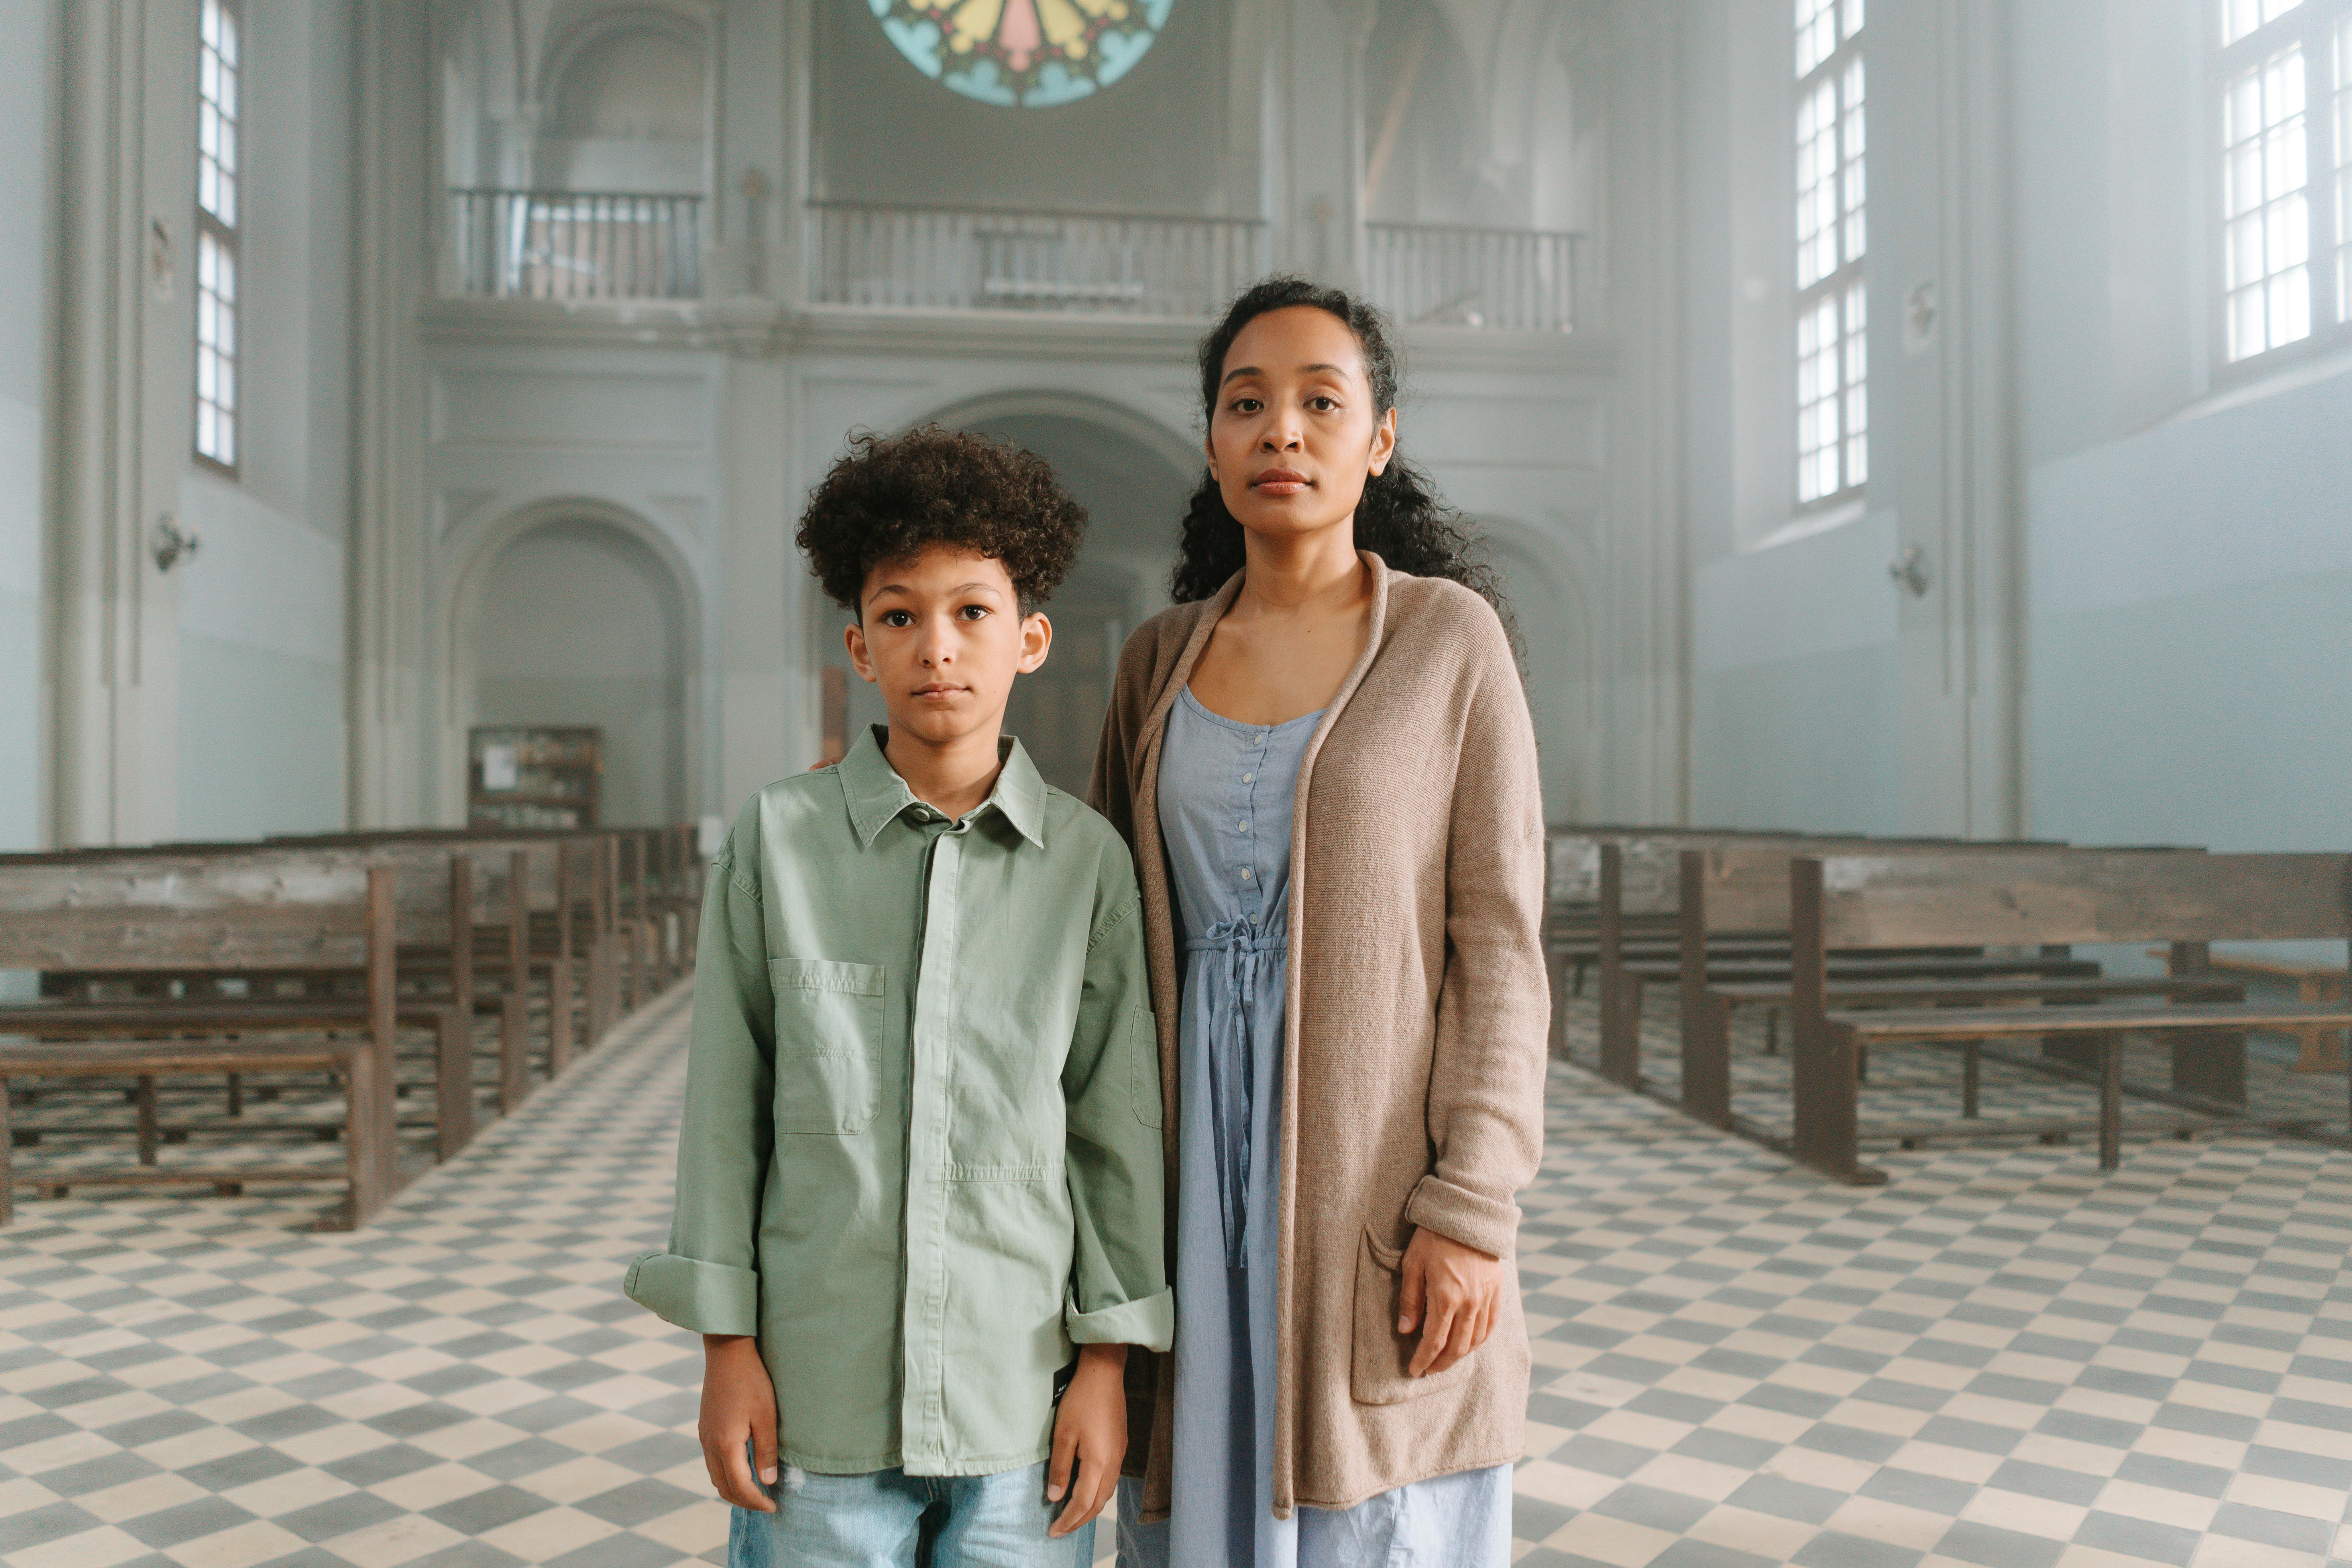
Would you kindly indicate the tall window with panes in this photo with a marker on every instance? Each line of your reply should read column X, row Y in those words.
column 219, row 49
column 2284, row 71
column 1832, row 236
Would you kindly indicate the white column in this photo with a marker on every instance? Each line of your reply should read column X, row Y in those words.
column 125, row 399
column 389, row 782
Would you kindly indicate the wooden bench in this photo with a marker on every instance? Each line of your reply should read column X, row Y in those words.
column 440, row 905
column 2186, row 900
column 1644, row 875
column 2320, row 1050
column 202, row 915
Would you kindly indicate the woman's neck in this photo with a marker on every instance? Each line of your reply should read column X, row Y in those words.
column 1304, row 573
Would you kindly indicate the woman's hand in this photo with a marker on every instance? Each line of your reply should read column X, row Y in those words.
column 1091, row 1429
column 1457, row 1290
column 739, row 1407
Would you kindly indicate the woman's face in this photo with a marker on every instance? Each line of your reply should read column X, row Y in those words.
column 1295, row 433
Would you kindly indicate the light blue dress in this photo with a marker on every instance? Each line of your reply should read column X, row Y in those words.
column 1226, row 792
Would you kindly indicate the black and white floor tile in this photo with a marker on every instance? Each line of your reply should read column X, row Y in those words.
column 2002, row 1359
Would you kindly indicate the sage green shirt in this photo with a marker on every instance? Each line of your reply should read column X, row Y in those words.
column 920, row 1156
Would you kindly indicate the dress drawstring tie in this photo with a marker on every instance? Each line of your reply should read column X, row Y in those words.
column 1232, row 1065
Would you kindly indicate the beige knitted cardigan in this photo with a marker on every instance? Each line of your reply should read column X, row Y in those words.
column 1414, row 1048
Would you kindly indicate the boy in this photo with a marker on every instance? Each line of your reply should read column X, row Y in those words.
column 919, row 1171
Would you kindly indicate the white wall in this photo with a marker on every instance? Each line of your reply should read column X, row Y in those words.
column 261, row 650
column 2191, row 562
column 27, row 187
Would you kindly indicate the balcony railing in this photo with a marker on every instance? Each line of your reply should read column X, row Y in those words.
column 575, row 245
column 976, row 259
column 1502, row 280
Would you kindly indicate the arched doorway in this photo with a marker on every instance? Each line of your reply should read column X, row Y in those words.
column 1134, row 495
column 577, row 621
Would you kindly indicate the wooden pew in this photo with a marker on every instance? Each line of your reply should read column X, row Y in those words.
column 436, row 907
column 1746, row 888
column 206, row 915
column 2185, row 900
column 1643, row 876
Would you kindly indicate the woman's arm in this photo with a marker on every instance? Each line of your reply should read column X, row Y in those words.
column 1487, row 1074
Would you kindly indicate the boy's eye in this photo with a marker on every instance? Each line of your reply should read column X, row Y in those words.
column 974, row 612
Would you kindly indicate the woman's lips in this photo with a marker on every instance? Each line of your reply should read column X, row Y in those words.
column 1279, row 482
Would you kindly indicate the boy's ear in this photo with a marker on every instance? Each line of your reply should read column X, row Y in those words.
column 860, row 657
column 1036, row 640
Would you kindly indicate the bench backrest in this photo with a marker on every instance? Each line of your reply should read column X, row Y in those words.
column 1745, row 887
column 2091, row 896
column 1574, row 872
column 202, row 912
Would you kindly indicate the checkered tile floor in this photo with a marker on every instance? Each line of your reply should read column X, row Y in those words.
column 2002, row 1359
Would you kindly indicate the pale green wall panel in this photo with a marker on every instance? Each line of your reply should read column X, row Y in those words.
column 2222, row 718
column 261, row 742
column 20, row 720
column 1799, row 743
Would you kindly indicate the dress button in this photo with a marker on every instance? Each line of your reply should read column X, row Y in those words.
column 1244, row 826
column 1246, row 777
column 1245, row 873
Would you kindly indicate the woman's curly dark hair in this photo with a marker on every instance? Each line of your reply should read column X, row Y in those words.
column 1400, row 519
column 889, row 497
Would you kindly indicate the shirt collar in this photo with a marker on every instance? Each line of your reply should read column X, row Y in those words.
column 876, row 795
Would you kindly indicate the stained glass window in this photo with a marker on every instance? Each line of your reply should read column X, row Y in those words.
column 1030, row 53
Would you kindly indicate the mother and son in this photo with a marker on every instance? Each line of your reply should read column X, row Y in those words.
column 953, row 1267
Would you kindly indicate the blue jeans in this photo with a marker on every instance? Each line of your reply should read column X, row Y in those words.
column 888, row 1519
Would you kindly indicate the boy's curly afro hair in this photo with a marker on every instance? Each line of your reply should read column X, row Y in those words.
column 888, row 497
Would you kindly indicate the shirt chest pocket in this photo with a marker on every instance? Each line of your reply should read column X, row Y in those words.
column 828, row 1043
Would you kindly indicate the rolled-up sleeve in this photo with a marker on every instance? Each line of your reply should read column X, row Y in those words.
column 1111, row 1084
column 708, row 1280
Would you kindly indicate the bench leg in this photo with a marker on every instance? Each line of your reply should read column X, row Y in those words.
column 453, row 1119
column 640, row 977
column 368, row 1134
column 2111, row 1101
column 1621, row 1031
column 147, row 1139
column 2209, row 1065
column 236, row 1094
column 558, row 1019
column 1706, row 1060
column 514, row 1050
column 1825, row 1112
column 7, row 1159
column 1771, row 1031
column 1971, row 1065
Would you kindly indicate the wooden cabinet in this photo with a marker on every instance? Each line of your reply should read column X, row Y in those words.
column 519, row 777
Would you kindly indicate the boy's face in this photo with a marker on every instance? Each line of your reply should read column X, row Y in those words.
column 943, row 636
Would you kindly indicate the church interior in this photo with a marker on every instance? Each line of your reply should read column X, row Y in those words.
column 1906, row 439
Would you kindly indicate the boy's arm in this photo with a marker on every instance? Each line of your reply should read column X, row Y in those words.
column 708, row 1280
column 1110, row 1087
column 1119, row 1284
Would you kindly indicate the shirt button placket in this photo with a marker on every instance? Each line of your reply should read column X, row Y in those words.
column 923, row 1436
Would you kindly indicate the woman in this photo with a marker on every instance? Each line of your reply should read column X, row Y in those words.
column 1323, row 757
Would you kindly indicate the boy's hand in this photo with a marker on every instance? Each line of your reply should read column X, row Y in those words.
column 739, row 1407
column 1453, row 1293
column 1091, row 1429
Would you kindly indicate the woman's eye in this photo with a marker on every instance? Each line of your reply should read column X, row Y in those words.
column 896, row 618
column 1247, row 405
column 1321, row 404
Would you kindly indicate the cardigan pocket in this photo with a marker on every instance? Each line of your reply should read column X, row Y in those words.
column 1379, row 1375
column 1143, row 1066
column 828, row 1043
